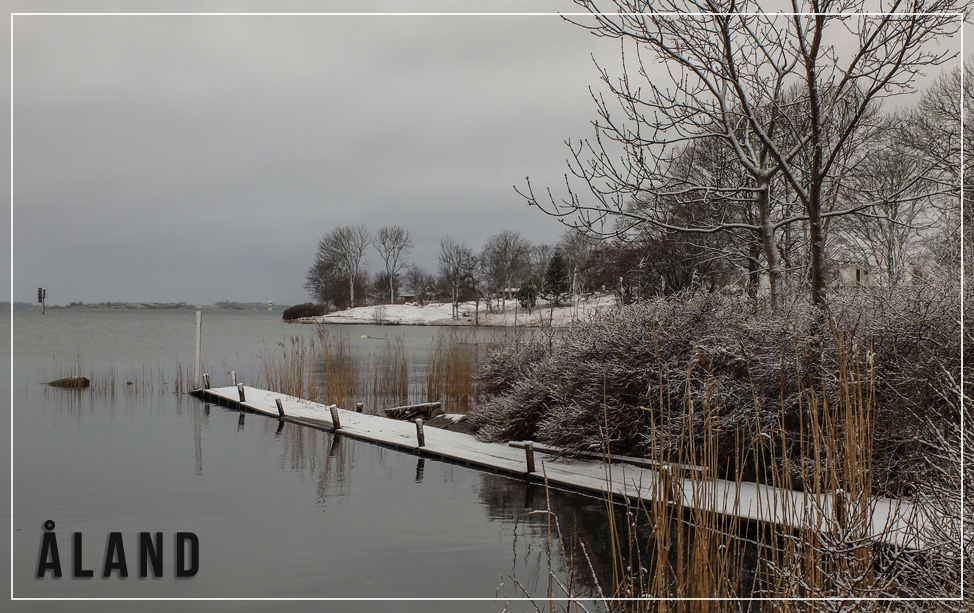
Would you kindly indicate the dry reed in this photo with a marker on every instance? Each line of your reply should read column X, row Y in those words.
column 390, row 377
column 451, row 373
column 135, row 380
column 667, row 555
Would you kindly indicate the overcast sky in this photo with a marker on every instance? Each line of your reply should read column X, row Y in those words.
column 201, row 158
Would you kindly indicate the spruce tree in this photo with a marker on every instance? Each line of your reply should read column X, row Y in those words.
column 556, row 283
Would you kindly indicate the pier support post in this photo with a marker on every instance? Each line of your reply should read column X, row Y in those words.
column 359, row 407
column 206, row 380
column 199, row 342
column 280, row 408
column 529, row 455
column 240, row 390
column 420, row 435
column 666, row 483
column 334, row 417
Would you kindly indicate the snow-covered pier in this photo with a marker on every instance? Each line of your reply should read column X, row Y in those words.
column 889, row 521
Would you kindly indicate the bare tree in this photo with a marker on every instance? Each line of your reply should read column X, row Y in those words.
column 539, row 256
column 420, row 282
column 888, row 235
column 505, row 262
column 773, row 90
column 457, row 264
column 392, row 243
column 932, row 133
column 340, row 256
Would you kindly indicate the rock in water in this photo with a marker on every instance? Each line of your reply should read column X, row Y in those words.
column 71, row 382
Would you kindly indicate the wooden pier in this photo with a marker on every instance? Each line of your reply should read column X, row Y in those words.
column 892, row 522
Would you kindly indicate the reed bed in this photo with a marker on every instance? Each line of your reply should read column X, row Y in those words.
column 451, row 376
column 339, row 381
column 326, row 370
column 289, row 370
column 134, row 380
column 390, row 377
column 667, row 556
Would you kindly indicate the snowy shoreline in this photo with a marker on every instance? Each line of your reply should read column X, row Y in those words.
column 440, row 314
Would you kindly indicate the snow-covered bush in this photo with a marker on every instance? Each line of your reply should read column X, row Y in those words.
column 655, row 377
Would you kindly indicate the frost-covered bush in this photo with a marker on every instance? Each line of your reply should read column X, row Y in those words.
column 652, row 378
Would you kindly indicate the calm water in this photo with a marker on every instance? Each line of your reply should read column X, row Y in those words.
column 279, row 511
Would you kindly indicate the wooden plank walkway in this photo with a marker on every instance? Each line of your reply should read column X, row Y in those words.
column 893, row 522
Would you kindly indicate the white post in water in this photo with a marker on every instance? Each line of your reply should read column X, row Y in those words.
column 199, row 342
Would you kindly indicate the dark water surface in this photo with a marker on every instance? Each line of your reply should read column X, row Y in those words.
column 285, row 512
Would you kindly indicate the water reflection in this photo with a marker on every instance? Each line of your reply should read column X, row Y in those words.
column 198, row 416
column 420, row 469
column 298, row 511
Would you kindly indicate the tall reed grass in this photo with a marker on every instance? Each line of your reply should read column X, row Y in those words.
column 134, row 380
column 667, row 555
column 326, row 370
column 451, row 376
column 389, row 376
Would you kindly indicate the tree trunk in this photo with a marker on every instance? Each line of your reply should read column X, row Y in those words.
column 816, row 245
column 753, row 271
column 766, row 231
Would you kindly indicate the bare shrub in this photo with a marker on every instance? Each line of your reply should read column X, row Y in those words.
column 304, row 310
column 667, row 365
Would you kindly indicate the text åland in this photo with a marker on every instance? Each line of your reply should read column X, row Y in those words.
column 150, row 555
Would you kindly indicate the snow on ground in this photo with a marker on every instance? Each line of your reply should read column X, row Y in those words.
column 440, row 314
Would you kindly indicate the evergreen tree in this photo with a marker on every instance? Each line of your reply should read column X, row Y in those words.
column 556, row 282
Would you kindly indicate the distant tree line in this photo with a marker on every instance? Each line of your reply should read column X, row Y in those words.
column 508, row 266
column 892, row 216
column 781, row 177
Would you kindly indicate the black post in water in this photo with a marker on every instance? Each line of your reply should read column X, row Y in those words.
column 529, row 455
column 280, row 408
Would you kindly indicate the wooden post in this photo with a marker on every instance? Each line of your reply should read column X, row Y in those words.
column 666, row 483
column 334, row 417
column 280, row 408
column 199, row 342
column 206, row 380
column 240, row 390
column 420, row 436
column 529, row 455
column 359, row 407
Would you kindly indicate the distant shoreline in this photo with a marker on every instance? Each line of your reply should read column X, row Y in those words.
column 471, row 314
column 224, row 306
